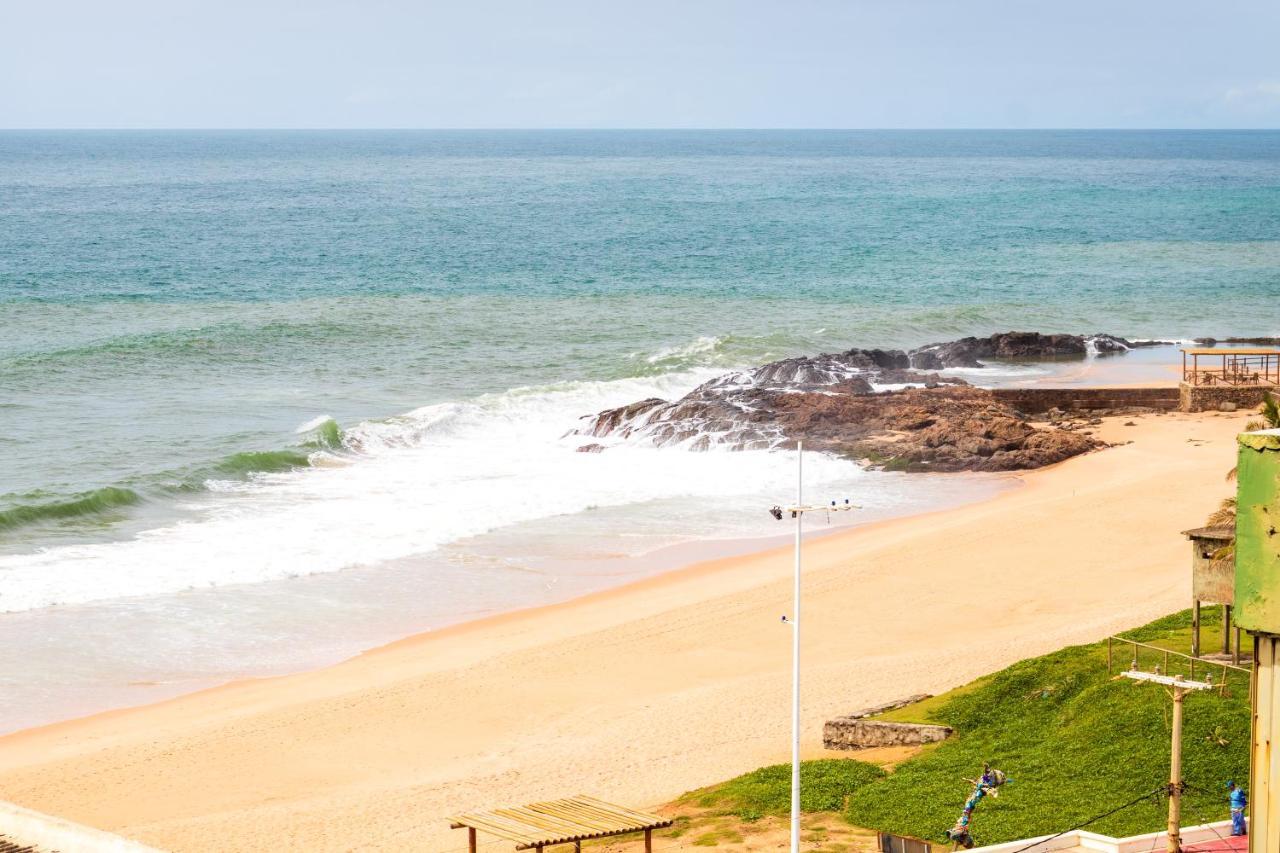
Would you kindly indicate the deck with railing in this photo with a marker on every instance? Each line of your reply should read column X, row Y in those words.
column 1231, row 367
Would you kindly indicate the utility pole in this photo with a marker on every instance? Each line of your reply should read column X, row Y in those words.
column 797, row 511
column 1179, row 688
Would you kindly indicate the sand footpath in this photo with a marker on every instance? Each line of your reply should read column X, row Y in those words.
column 640, row 693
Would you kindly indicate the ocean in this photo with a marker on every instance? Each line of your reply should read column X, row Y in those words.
column 268, row 398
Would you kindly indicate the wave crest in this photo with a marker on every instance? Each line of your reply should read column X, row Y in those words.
column 91, row 503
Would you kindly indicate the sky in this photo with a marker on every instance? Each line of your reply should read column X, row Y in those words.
column 640, row 64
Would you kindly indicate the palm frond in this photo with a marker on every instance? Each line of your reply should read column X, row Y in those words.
column 1271, row 410
column 1224, row 515
column 1224, row 556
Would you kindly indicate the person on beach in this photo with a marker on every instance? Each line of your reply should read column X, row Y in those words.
column 1238, row 802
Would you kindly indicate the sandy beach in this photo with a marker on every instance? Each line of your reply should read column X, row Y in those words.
column 641, row 693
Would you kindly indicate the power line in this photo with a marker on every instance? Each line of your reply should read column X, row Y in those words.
column 1156, row 793
column 1200, row 811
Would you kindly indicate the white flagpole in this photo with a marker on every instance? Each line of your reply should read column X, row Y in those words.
column 795, row 663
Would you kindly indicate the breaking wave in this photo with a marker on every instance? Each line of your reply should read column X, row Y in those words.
column 322, row 436
column 402, row 486
column 97, row 502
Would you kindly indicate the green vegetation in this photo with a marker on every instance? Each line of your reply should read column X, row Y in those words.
column 1270, row 411
column 1075, row 742
column 824, row 785
column 883, row 461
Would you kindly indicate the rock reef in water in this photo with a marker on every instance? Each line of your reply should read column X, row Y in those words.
column 830, row 401
column 967, row 352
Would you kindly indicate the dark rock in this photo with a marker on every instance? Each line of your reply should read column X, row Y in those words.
column 904, row 377
column 1258, row 342
column 954, row 428
column 608, row 422
column 1108, row 344
column 828, row 402
column 966, row 352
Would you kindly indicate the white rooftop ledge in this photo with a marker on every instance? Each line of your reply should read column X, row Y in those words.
column 1091, row 841
column 46, row 832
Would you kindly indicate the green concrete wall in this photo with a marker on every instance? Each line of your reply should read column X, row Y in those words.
column 1258, row 532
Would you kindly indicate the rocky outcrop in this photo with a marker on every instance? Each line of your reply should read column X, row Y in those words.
column 1024, row 346
column 1261, row 342
column 944, row 428
column 889, row 407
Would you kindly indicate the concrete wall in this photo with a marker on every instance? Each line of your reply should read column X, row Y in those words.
column 1035, row 401
column 1207, row 398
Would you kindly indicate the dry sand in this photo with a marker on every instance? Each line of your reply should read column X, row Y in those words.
column 641, row 693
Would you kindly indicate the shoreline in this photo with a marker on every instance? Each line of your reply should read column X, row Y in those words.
column 611, row 572
column 463, row 754
column 718, row 553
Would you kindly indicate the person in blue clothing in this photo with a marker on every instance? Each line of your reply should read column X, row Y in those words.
column 1238, row 802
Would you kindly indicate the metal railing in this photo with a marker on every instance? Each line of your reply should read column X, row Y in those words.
column 1250, row 369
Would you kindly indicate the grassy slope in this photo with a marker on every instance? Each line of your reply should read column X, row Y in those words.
column 1075, row 742
column 824, row 785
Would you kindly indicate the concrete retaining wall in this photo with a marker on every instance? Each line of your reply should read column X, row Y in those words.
column 856, row 733
column 1035, row 401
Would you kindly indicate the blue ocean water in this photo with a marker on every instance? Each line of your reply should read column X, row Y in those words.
column 176, row 304
column 231, row 358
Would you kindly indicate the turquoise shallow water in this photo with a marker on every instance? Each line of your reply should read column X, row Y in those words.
column 187, row 319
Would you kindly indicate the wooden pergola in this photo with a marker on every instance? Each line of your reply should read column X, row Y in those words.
column 568, row 821
column 1231, row 366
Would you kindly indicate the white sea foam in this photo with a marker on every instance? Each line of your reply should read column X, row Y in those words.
column 997, row 370
column 314, row 423
column 699, row 346
column 895, row 386
column 412, row 483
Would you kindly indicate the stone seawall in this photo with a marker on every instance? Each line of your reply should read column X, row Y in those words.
column 855, row 733
column 1036, row 401
column 1208, row 398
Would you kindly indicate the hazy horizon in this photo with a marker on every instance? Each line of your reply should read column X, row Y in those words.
column 653, row 129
